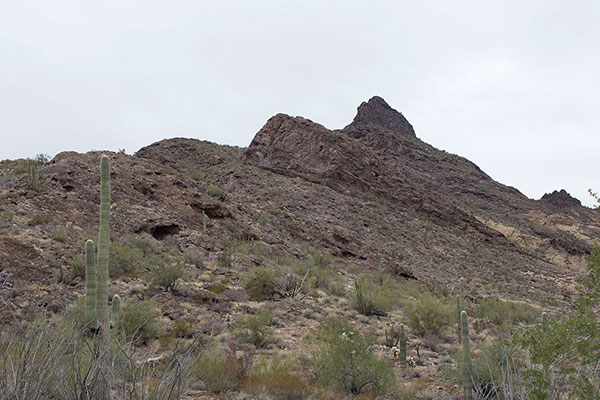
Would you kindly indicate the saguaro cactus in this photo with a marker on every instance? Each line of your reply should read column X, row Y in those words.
column 33, row 176
column 103, row 333
column 544, row 321
column 402, row 346
column 467, row 367
column 115, row 315
column 458, row 311
column 90, row 284
column 392, row 337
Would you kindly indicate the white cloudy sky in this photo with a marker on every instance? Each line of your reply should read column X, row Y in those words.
column 512, row 85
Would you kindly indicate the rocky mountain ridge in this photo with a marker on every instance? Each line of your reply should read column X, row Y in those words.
column 371, row 193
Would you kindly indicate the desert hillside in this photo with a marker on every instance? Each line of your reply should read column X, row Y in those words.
column 287, row 226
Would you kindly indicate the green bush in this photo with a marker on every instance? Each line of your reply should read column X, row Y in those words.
column 320, row 274
column 375, row 294
column 125, row 259
column 260, row 282
column 497, row 369
column 250, row 247
column 220, row 371
column 501, row 311
column 342, row 356
column 224, row 259
column 429, row 315
column 166, row 274
column 280, row 379
column 139, row 321
column 216, row 192
column 77, row 264
column 254, row 329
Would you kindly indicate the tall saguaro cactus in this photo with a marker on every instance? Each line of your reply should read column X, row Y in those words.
column 402, row 346
column 103, row 333
column 90, row 284
column 467, row 367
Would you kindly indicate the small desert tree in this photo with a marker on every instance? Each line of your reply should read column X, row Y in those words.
column 565, row 353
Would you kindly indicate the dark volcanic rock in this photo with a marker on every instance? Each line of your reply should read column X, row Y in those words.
column 376, row 112
column 300, row 147
column 560, row 200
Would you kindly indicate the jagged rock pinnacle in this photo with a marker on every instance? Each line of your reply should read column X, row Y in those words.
column 376, row 112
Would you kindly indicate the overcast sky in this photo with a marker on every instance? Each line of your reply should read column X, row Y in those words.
column 512, row 85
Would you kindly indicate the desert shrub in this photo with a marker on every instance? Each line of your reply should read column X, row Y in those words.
column 194, row 256
column 251, row 247
column 565, row 352
column 279, row 379
column 321, row 260
column 60, row 235
column 254, row 328
column 216, row 192
column 139, row 321
column 7, row 215
column 52, row 359
column 497, row 370
column 501, row 311
column 39, row 220
column 260, row 283
column 166, row 273
column 429, row 315
column 375, row 294
column 290, row 285
column 220, row 371
column 224, row 259
column 77, row 265
column 342, row 356
column 144, row 242
column 124, row 259
column 320, row 274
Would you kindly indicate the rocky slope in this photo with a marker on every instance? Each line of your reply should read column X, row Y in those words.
column 372, row 195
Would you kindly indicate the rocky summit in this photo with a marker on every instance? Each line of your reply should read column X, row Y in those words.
column 367, row 202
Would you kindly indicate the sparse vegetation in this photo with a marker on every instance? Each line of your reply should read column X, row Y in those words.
column 429, row 315
column 39, row 220
column 139, row 321
column 216, row 192
column 375, row 294
column 220, row 371
column 53, row 359
column 260, row 283
column 165, row 274
column 278, row 378
column 501, row 311
column 125, row 259
column 342, row 356
column 254, row 329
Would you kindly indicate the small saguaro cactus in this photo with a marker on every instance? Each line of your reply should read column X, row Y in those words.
column 33, row 176
column 460, row 306
column 458, row 311
column 392, row 336
column 544, row 321
column 402, row 346
column 115, row 315
column 467, row 366
column 90, row 284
